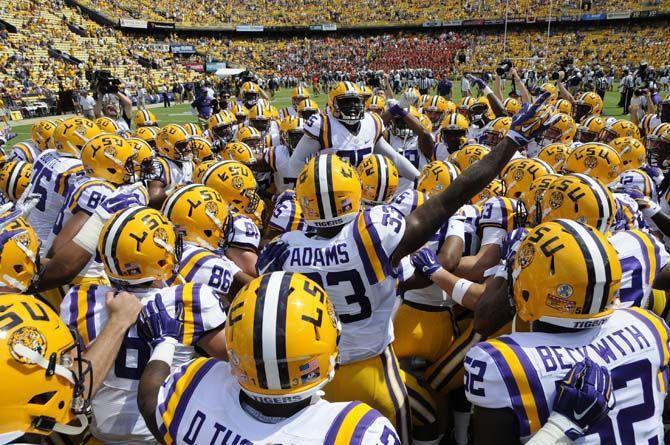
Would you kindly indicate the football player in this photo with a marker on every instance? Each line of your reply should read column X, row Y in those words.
column 204, row 219
column 14, row 179
column 28, row 151
column 139, row 249
column 572, row 318
column 55, row 171
column 221, row 129
column 144, row 118
column 349, row 131
column 282, row 342
column 41, row 354
column 298, row 95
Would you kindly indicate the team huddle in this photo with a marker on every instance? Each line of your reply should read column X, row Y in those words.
column 382, row 271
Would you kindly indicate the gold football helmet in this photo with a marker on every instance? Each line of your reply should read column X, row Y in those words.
column 19, row 252
column 145, row 118
column 379, row 179
column 580, row 198
column 588, row 104
column 200, row 169
column 41, row 133
column 109, row 157
column 296, row 358
column 552, row 90
column 555, row 155
column 512, row 106
column 435, row 108
column 236, row 184
column 329, row 191
column 620, row 129
column 468, row 155
column 589, row 130
column 107, row 125
column 71, row 135
column 250, row 93
column 44, row 371
column 201, row 149
column 260, row 117
column 595, row 159
column 291, row 130
column 144, row 155
column 148, row 134
column 562, row 130
column 192, row 129
column 566, row 274
column 520, row 173
column 240, row 112
column 453, row 129
column 139, row 245
column 493, row 189
column 201, row 213
column 563, row 106
column 495, row 131
column 346, row 100
column 375, row 104
column 14, row 178
column 222, row 125
column 298, row 94
column 173, row 143
column 632, row 152
column 306, row 108
column 252, row 137
column 238, row 151
column 658, row 145
column 464, row 105
column 436, row 177
column 532, row 198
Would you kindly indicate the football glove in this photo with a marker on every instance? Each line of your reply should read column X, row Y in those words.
column 529, row 123
column 156, row 325
column 425, row 261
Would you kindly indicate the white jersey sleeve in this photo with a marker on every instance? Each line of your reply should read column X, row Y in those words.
column 244, row 234
column 201, row 266
column 496, row 220
column 287, row 216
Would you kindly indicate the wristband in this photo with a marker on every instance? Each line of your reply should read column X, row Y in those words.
column 88, row 235
column 396, row 111
column 460, row 289
column 456, row 227
column 550, row 434
column 651, row 210
column 164, row 351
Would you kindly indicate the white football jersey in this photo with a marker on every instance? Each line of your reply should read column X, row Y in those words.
column 287, row 216
column 243, row 233
column 277, row 158
column 519, row 372
column 116, row 416
column 409, row 148
column 202, row 266
column 52, row 179
column 355, row 269
column 642, row 256
column 335, row 138
column 171, row 173
column 200, row 404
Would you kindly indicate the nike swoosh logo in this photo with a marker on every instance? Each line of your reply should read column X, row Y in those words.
column 525, row 128
column 579, row 416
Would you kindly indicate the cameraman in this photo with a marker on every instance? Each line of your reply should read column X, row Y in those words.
column 116, row 106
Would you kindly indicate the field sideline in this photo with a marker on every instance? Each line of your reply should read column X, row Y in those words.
column 180, row 114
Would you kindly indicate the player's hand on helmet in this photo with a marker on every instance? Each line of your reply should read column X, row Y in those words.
column 408, row 99
column 119, row 200
column 583, row 398
column 654, row 173
column 123, row 307
column 272, row 257
column 425, row 261
column 531, row 121
column 157, row 325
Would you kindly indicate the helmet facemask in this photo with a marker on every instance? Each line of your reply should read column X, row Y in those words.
column 223, row 132
column 260, row 124
column 184, row 150
column 349, row 110
column 250, row 99
column 453, row 139
column 581, row 110
column 585, row 135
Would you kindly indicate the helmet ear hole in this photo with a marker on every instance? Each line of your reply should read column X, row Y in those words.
column 208, row 233
column 42, row 399
column 18, row 268
column 525, row 295
column 162, row 263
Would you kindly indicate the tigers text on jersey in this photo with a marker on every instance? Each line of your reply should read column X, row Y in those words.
column 520, row 371
column 277, row 158
column 243, row 233
column 200, row 404
column 355, row 269
column 115, row 412
column 335, row 138
column 202, row 266
column 642, row 256
column 171, row 173
column 52, row 179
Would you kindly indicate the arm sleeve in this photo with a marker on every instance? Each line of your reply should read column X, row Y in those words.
column 405, row 167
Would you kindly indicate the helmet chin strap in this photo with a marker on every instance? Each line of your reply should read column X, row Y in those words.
column 34, row 357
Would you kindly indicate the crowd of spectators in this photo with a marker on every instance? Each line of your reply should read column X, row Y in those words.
column 368, row 12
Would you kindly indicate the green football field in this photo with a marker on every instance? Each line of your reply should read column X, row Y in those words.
column 179, row 114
